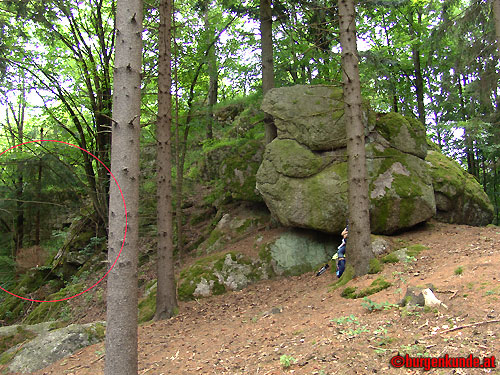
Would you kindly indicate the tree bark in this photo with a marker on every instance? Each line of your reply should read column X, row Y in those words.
column 419, row 81
column 122, row 299
column 39, row 197
column 266, row 40
column 17, row 135
column 496, row 12
column 166, row 301
column 359, row 251
column 213, row 75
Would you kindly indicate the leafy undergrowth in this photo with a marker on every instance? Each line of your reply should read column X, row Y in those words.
column 300, row 324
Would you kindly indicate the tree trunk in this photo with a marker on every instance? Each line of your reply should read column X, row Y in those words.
column 469, row 146
column 121, row 330
column 39, row 197
column 496, row 11
column 213, row 75
column 359, row 251
column 17, row 135
column 419, row 81
column 495, row 194
column 166, row 301
column 266, row 40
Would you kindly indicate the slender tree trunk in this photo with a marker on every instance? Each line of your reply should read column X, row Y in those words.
column 419, row 81
column 359, row 251
column 17, row 135
column 121, row 330
column 266, row 40
column 392, row 78
column 469, row 146
column 496, row 11
column 39, row 197
column 166, row 300
column 495, row 194
column 213, row 75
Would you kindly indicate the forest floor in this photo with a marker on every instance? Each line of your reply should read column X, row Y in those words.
column 298, row 325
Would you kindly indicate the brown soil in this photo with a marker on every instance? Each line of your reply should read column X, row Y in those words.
column 249, row 331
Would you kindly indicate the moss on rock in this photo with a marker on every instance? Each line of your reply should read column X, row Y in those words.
column 294, row 160
column 460, row 198
column 218, row 273
column 403, row 133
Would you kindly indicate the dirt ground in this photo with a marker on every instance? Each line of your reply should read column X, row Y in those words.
column 298, row 325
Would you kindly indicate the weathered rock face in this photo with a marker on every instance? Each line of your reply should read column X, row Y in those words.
column 298, row 251
column 52, row 346
column 304, row 180
column 303, row 175
column 312, row 115
column 235, row 166
column 459, row 197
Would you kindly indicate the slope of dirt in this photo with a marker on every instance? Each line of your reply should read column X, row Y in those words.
column 300, row 321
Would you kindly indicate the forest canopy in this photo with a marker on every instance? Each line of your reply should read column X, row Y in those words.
column 436, row 61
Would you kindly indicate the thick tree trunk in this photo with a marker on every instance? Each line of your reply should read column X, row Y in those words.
column 166, row 300
column 359, row 251
column 121, row 330
column 266, row 40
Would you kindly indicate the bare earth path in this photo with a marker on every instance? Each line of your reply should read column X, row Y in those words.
column 247, row 332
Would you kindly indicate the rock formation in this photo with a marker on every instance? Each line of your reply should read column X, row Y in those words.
column 303, row 175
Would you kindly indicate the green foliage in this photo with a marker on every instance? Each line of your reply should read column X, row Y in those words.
column 374, row 306
column 376, row 286
column 390, row 258
column 287, row 361
column 45, row 312
column 345, row 319
column 375, row 266
column 7, row 272
column 459, row 271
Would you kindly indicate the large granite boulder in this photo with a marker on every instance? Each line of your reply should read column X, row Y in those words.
column 49, row 347
column 312, row 115
column 303, row 175
column 459, row 197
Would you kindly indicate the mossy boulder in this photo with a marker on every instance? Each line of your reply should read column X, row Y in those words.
column 219, row 273
column 303, row 175
column 48, row 348
column 234, row 164
column 312, row 115
column 401, row 192
column 405, row 134
column 460, row 199
column 234, row 225
column 317, row 202
column 298, row 251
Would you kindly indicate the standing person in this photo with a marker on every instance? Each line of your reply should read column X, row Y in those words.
column 340, row 256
